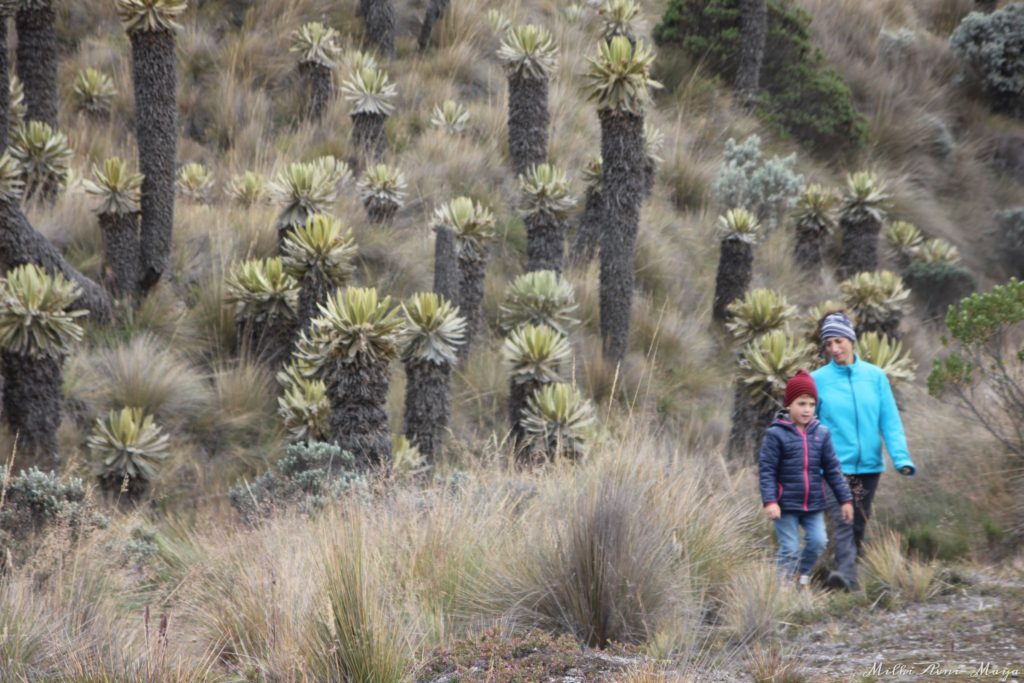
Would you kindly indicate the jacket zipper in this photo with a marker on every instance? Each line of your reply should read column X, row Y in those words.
column 807, row 478
column 856, row 420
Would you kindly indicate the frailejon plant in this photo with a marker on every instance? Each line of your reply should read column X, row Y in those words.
column 472, row 228
column 754, row 32
column 301, row 190
column 542, row 297
column 265, row 299
column 618, row 18
column 759, row 312
column 558, row 422
column 530, row 55
column 44, row 157
column 248, row 189
column 37, row 332
column 938, row 279
column 93, row 94
column 195, row 182
column 119, row 191
column 318, row 53
column 861, row 214
column 36, row 23
column 337, row 172
column 371, row 94
column 151, row 25
column 382, row 190
column 430, row 343
column 903, row 239
column 814, row 221
column 534, row 355
column 379, row 17
column 319, row 255
column 7, row 9
column 546, row 205
column 128, row 448
column 765, row 365
column 619, row 82
column 888, row 355
column 351, row 344
column 738, row 232
column 435, row 10
column 450, row 116
column 877, row 299
column 588, row 234
column 304, row 408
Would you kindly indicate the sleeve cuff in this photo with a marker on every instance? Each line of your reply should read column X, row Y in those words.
column 771, row 502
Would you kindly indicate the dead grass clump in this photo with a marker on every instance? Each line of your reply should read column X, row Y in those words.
column 891, row 578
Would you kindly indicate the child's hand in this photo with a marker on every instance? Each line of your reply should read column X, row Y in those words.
column 773, row 511
column 846, row 510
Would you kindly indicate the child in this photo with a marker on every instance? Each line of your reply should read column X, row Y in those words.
column 795, row 454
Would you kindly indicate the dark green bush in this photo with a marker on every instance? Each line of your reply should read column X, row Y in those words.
column 1011, row 234
column 800, row 95
column 991, row 49
column 937, row 286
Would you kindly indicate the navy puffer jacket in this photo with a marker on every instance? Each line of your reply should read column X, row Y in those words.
column 794, row 466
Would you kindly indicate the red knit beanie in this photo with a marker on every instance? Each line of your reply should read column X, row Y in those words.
column 799, row 384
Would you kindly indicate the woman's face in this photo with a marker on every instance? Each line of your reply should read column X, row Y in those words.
column 840, row 349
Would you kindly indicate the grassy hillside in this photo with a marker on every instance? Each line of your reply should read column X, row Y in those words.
column 475, row 543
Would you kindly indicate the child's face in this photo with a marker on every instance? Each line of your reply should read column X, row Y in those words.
column 801, row 410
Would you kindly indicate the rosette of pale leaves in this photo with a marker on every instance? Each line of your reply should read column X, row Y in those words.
column 406, row 459
column 536, row 353
column 302, row 189
column 546, row 190
column 903, row 238
column 471, row 223
column 316, row 44
column 262, row 291
column 865, row 197
column 575, row 13
column 12, row 186
column 875, row 298
column 738, row 225
column 117, row 187
column 34, row 320
column 128, row 444
column 937, row 250
column 150, row 15
column 498, row 21
column 760, row 311
column 357, row 60
column 619, row 77
column 370, row 92
column 528, row 51
column 810, row 321
column 304, row 407
column 541, row 297
column 42, row 153
column 450, row 116
column 195, row 182
column 814, row 211
column 248, row 189
column 93, row 92
column 887, row 354
column 617, row 17
column 767, row 363
column 383, row 183
column 558, row 416
column 355, row 327
column 336, row 171
column 654, row 140
column 323, row 243
column 434, row 331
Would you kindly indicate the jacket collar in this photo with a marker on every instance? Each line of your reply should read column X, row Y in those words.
column 850, row 369
column 782, row 420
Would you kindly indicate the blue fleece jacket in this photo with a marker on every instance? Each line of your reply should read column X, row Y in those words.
column 856, row 403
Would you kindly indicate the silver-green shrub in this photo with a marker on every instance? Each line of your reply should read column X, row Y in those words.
column 767, row 188
column 991, row 49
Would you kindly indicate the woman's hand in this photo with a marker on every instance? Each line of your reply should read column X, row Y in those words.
column 906, row 470
column 846, row 510
column 773, row 511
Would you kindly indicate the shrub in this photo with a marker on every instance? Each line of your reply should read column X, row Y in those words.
column 1011, row 232
column 799, row 93
column 305, row 479
column 991, row 49
column 34, row 500
column 766, row 188
column 939, row 285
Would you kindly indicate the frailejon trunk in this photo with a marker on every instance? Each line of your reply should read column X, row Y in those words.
column 622, row 152
column 359, row 421
column 650, row 175
column 887, row 328
column 315, row 290
column 446, row 265
column 121, row 251
column 380, row 211
column 435, row 10
column 528, row 120
column 735, row 265
column 379, row 16
column 519, row 394
column 809, row 251
column 427, row 406
column 32, row 407
column 319, row 88
column 368, row 136
column 471, row 297
column 267, row 341
column 21, row 244
column 37, row 62
column 859, row 250
column 545, row 242
column 156, row 122
column 5, row 86
column 754, row 31
column 588, row 236
column 133, row 488
column 285, row 229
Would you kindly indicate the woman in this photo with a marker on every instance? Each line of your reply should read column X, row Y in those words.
column 857, row 405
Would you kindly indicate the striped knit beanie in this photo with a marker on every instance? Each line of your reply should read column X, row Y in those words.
column 837, row 325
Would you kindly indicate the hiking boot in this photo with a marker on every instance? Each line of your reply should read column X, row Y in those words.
column 838, row 582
